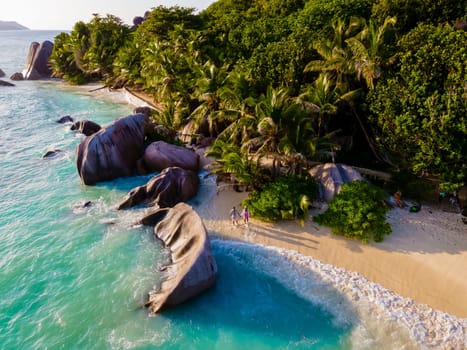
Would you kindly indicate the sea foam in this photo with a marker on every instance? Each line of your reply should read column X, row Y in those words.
column 378, row 317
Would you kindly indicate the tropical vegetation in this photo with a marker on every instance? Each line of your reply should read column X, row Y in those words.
column 357, row 211
column 373, row 83
column 287, row 197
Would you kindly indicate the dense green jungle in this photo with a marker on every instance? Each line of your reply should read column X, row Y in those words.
column 372, row 83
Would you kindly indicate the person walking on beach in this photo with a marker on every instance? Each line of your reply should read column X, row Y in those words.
column 234, row 216
column 245, row 215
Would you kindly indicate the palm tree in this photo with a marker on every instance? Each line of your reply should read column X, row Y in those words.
column 210, row 80
column 231, row 159
column 237, row 108
column 366, row 48
column 274, row 112
column 336, row 59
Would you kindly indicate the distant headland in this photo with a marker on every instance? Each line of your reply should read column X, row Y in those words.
column 11, row 25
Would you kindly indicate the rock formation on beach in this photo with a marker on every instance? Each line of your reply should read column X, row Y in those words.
column 113, row 151
column 37, row 62
column 171, row 186
column 192, row 268
column 332, row 176
column 160, row 155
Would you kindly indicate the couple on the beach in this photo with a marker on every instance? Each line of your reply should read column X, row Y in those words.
column 245, row 215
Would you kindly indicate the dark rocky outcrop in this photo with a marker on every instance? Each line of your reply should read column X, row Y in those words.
column 160, row 155
column 17, row 76
column 52, row 154
column 192, row 268
column 6, row 83
column 143, row 110
column 113, row 151
column 65, row 119
column 37, row 62
column 86, row 127
column 171, row 186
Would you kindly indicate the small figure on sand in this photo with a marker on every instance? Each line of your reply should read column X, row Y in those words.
column 396, row 199
column 234, row 216
column 442, row 195
column 454, row 199
column 245, row 215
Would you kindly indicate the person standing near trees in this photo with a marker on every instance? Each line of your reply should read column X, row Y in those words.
column 234, row 216
column 245, row 215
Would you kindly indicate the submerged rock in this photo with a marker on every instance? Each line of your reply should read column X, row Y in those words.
column 192, row 268
column 52, row 153
column 6, row 83
column 171, row 186
column 65, row 119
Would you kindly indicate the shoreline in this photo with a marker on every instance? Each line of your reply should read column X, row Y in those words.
column 415, row 278
column 100, row 91
column 424, row 258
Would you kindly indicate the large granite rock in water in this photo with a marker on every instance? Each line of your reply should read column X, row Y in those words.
column 112, row 152
column 171, row 186
column 37, row 62
column 192, row 268
column 160, row 155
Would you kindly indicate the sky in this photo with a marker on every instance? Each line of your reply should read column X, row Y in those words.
column 63, row 14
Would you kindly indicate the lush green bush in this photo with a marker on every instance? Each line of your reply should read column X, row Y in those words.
column 287, row 197
column 421, row 111
column 357, row 211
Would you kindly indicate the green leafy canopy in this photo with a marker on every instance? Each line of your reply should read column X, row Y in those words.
column 357, row 211
column 287, row 197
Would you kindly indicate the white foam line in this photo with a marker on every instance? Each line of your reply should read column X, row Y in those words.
column 383, row 319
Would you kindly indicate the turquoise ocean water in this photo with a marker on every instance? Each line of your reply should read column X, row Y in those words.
column 74, row 277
